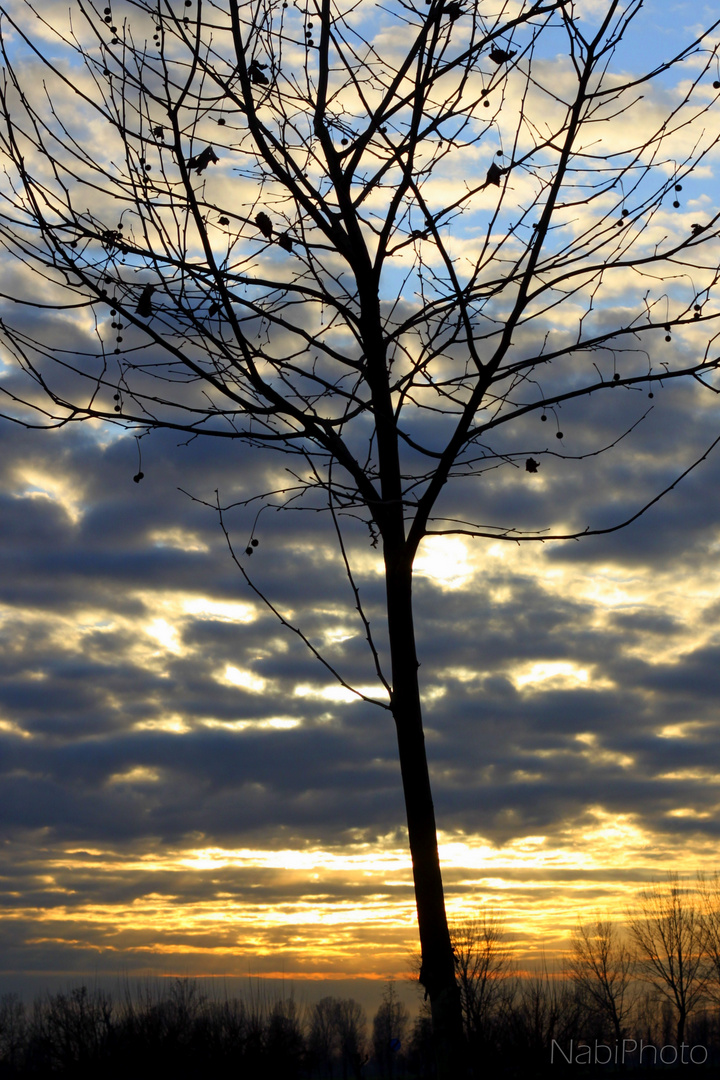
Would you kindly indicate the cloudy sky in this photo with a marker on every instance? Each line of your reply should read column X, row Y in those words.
column 186, row 791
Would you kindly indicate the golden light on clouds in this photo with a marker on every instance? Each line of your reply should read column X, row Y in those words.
column 445, row 560
column 165, row 634
column 598, row 754
column 173, row 724
column 49, row 485
column 349, row 912
column 552, row 675
column 204, row 607
column 13, row 728
column 340, row 695
column 177, row 538
column 140, row 774
column 276, row 723
column 245, row 680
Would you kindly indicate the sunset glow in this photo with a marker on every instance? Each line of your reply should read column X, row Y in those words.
column 199, row 668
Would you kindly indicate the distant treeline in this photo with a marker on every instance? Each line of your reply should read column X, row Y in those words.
column 528, row 1026
column 177, row 1032
column 642, row 996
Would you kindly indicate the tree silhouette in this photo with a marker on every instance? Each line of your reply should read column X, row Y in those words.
column 389, row 1027
column 337, row 1031
column 484, row 972
column 380, row 244
column 601, row 965
column 670, row 937
column 709, row 889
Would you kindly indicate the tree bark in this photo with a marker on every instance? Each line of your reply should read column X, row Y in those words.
column 437, row 972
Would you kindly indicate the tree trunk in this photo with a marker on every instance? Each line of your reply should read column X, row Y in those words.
column 437, row 972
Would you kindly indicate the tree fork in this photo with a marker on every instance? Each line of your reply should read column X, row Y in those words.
column 437, row 972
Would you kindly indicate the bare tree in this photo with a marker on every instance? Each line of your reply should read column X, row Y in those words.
column 267, row 245
column 484, row 969
column 351, row 1025
column 546, row 1008
column 669, row 934
column 601, row 964
column 389, row 1028
column 13, row 1032
column 709, row 888
column 322, row 1034
column 338, row 1033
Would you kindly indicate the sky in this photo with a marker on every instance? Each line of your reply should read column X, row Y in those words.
column 186, row 792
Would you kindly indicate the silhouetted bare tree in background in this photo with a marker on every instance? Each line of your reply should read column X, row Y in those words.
column 353, row 239
column 484, row 967
column 669, row 935
column 709, row 889
column 338, row 1034
column 602, row 965
column 546, row 1008
column 390, row 1025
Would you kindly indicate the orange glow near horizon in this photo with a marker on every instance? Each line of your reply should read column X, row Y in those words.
column 338, row 914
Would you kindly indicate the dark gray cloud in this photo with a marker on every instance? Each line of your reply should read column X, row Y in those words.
column 125, row 753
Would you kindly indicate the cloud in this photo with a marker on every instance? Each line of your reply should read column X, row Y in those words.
column 91, row 678
column 558, row 686
column 182, row 781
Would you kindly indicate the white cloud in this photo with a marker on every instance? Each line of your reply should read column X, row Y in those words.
column 244, row 679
